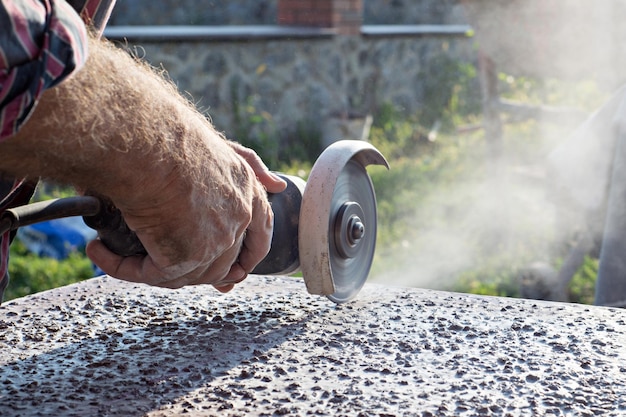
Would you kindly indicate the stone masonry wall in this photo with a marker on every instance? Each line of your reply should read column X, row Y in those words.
column 263, row 12
column 274, row 86
column 288, row 82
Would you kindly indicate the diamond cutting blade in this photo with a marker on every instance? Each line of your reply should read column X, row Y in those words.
column 353, row 230
column 337, row 229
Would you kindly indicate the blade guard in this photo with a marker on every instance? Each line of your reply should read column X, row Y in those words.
column 315, row 212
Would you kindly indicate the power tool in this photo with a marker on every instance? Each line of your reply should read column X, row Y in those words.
column 324, row 227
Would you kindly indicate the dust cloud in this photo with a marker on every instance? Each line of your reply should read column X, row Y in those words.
column 539, row 208
column 482, row 221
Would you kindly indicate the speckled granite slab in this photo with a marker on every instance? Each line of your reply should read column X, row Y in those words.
column 107, row 348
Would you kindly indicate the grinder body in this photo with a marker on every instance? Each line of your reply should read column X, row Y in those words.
column 284, row 257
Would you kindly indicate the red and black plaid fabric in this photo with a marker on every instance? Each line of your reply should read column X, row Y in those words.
column 41, row 43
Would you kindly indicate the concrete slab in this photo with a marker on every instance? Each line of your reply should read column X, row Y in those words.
column 107, row 348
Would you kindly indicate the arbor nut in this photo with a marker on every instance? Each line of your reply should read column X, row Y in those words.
column 349, row 229
column 356, row 230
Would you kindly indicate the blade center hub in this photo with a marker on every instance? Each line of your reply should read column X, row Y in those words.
column 349, row 229
column 356, row 229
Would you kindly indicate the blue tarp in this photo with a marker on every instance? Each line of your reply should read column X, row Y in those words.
column 56, row 238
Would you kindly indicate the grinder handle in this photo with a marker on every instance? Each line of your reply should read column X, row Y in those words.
column 113, row 230
column 284, row 255
column 282, row 259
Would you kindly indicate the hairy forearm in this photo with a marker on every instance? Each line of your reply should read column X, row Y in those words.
column 118, row 129
column 113, row 126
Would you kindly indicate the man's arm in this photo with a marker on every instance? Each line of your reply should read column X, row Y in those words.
column 41, row 43
column 118, row 129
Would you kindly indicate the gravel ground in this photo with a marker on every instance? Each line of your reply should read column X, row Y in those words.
column 107, row 348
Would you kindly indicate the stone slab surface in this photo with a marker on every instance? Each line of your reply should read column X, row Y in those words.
column 107, row 348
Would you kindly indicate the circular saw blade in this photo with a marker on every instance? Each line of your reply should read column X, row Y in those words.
column 351, row 258
column 337, row 229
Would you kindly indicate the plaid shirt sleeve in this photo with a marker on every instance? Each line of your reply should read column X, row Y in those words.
column 41, row 43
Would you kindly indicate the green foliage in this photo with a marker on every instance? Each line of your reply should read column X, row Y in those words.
column 47, row 190
column 582, row 286
column 442, row 198
column 396, row 136
column 257, row 130
column 496, row 279
column 583, row 95
column 30, row 273
column 450, row 91
column 302, row 145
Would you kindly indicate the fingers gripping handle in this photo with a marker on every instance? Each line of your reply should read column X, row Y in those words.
column 113, row 230
column 283, row 257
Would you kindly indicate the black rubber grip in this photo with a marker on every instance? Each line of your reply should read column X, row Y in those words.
column 113, row 230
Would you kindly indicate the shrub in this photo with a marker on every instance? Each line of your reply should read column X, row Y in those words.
column 30, row 273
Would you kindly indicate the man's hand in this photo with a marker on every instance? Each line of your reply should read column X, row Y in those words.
column 197, row 202
column 188, row 239
column 272, row 182
column 253, row 242
column 220, row 252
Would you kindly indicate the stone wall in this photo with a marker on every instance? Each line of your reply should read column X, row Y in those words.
column 263, row 12
column 277, row 85
column 273, row 85
column 194, row 12
column 411, row 12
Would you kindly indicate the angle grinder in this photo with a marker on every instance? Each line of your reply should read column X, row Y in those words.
column 324, row 227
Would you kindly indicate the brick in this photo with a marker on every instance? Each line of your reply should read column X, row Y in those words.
column 322, row 13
